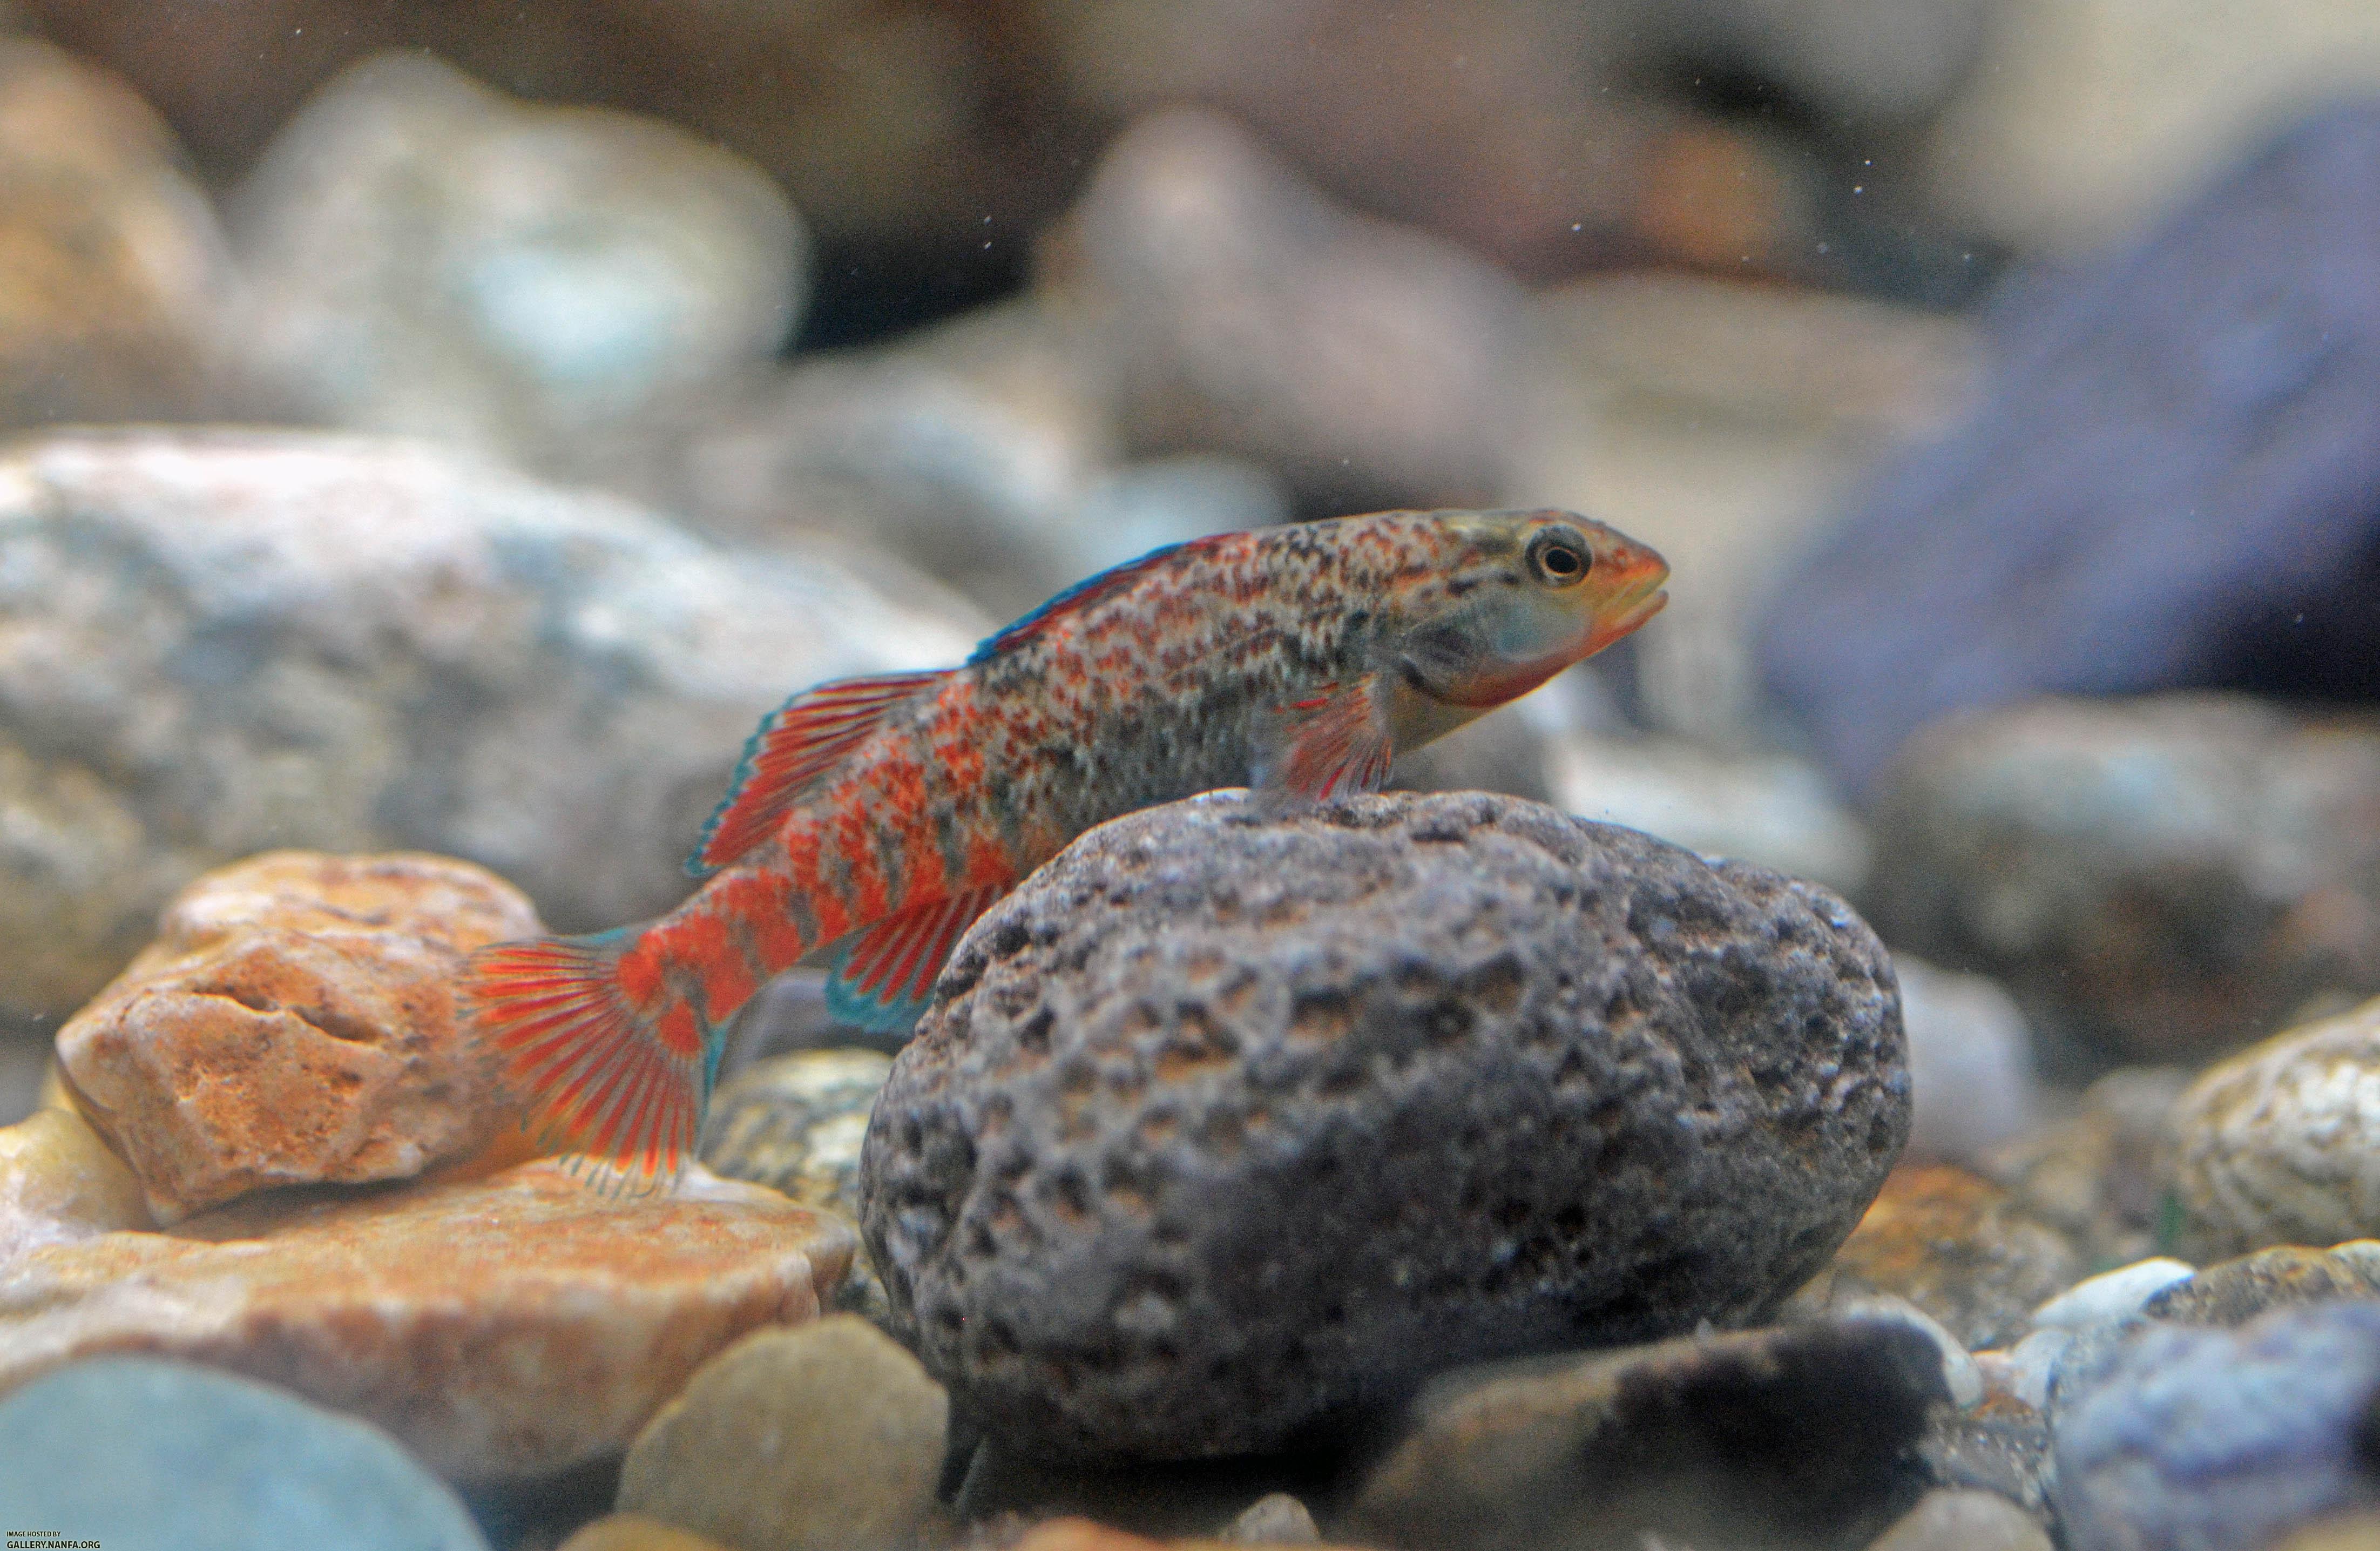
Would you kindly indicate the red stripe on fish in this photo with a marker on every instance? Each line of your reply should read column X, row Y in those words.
column 885, row 814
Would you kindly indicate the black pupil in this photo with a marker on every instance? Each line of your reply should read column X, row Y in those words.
column 1562, row 561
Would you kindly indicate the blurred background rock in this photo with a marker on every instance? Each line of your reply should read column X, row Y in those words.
column 1956, row 352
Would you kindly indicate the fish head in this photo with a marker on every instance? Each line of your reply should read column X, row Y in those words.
column 1520, row 597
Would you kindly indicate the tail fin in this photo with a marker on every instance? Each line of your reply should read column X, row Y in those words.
column 616, row 1077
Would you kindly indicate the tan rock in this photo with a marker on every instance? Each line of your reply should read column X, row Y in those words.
column 634, row 1531
column 2280, row 1144
column 2236, row 1291
column 501, row 1327
column 296, row 1022
column 825, row 1438
column 1956, row 1519
column 58, row 1181
column 2347, row 1531
column 111, row 269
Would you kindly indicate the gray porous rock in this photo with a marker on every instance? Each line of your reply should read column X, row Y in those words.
column 224, row 641
column 2170, row 481
column 2160, row 879
column 1238, row 1114
column 2187, row 1438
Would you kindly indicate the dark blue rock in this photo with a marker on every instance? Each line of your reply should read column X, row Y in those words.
column 2172, row 480
column 2198, row 1439
column 130, row 1452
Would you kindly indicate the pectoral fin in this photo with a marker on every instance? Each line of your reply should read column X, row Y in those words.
column 1334, row 743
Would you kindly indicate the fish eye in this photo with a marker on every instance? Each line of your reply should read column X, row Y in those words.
column 1559, row 556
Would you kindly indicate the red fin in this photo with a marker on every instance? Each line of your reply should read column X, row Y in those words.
column 798, row 744
column 1335, row 744
column 625, row 1089
column 882, row 974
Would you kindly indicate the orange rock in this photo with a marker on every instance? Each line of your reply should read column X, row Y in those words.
column 1959, row 1247
column 634, row 1531
column 501, row 1327
column 295, row 1022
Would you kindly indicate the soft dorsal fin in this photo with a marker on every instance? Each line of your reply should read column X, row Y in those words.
column 794, row 746
column 1336, row 742
column 1078, row 597
column 881, row 975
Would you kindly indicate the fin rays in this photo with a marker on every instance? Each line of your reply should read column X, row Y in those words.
column 799, row 742
column 601, row 1080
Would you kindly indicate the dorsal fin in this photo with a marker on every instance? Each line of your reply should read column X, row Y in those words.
column 794, row 746
column 1078, row 597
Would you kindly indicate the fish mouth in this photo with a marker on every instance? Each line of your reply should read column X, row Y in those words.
column 1632, row 613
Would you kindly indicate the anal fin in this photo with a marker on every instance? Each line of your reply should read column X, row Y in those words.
column 795, row 745
column 1334, row 743
column 882, row 974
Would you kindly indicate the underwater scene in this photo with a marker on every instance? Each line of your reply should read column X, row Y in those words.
column 1121, row 774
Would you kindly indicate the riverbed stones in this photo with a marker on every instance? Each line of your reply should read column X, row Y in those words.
column 1795, row 1434
column 2235, row 1291
column 297, row 1022
column 2280, row 1144
column 2159, row 879
column 1234, row 1116
column 500, row 1328
column 430, row 257
column 1960, row 1248
column 113, row 277
column 59, row 1180
column 226, row 642
column 1370, row 365
column 2166, row 483
column 2215, row 1439
column 131, row 1451
column 796, row 1123
column 828, row 1437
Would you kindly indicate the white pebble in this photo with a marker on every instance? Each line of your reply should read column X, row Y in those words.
column 2111, row 1296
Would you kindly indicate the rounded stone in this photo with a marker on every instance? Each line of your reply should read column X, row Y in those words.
column 1959, row 1247
column 134, row 1451
column 1950, row 1518
column 296, row 1022
column 503, row 1329
column 796, row 1123
column 2208, row 1440
column 2280, row 1144
column 828, row 1437
column 1234, row 1116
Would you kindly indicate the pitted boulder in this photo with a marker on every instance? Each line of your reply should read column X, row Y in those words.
column 1234, row 1118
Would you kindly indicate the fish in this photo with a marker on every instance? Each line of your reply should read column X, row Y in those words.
column 874, row 819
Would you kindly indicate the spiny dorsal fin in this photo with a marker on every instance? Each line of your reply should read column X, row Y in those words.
column 796, row 744
column 881, row 975
column 1335, row 742
column 1080, row 597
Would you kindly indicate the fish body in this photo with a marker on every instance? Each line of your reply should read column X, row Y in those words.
column 880, row 816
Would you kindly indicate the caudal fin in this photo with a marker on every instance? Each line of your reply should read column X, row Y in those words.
column 617, row 1078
